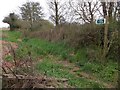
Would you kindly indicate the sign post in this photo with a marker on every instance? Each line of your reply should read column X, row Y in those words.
column 105, row 38
column 100, row 21
column 105, row 22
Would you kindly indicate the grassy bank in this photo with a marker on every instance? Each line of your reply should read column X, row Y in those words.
column 50, row 59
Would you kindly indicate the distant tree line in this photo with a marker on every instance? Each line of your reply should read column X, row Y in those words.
column 31, row 13
column 62, row 12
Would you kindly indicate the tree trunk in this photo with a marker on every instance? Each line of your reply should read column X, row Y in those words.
column 11, row 28
column 105, row 38
column 104, row 9
column 56, row 10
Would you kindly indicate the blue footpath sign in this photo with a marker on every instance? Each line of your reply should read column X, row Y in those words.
column 100, row 21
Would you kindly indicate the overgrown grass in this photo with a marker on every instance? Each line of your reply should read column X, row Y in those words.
column 42, row 47
column 12, row 36
column 107, row 72
column 0, row 35
column 9, row 58
column 49, row 68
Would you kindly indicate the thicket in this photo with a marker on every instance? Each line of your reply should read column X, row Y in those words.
column 88, row 36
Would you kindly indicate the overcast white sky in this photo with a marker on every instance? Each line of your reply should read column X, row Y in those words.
column 7, row 6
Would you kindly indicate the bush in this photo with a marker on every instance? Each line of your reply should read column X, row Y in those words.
column 78, row 36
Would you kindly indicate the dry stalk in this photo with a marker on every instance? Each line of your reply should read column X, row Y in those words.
column 13, row 72
column 4, row 70
column 14, row 54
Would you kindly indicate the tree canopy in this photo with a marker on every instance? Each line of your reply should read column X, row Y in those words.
column 31, row 12
column 12, row 19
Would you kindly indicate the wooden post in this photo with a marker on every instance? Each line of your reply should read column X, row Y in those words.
column 105, row 38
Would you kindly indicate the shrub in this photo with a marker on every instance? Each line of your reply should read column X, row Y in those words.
column 78, row 36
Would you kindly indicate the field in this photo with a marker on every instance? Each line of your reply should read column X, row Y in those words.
column 60, row 61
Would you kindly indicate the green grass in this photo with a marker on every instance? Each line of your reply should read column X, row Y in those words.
column 9, row 58
column 107, row 73
column 12, row 36
column 42, row 48
column 48, row 67
column 0, row 35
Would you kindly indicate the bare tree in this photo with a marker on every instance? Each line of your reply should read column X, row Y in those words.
column 57, row 11
column 110, row 13
column 109, row 9
column 85, row 11
column 118, row 8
